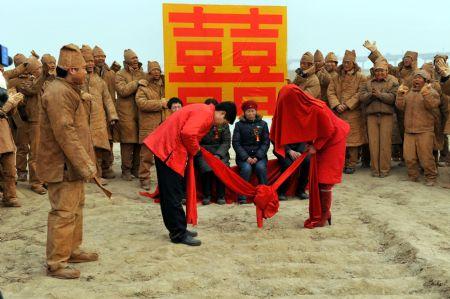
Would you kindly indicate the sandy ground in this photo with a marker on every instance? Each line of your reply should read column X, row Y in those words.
column 390, row 238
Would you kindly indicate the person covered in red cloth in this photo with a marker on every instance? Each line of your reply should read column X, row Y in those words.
column 172, row 143
column 299, row 118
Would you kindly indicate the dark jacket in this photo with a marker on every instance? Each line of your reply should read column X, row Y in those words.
column 217, row 142
column 245, row 141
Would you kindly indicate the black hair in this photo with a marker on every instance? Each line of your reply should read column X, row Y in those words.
column 211, row 101
column 230, row 110
column 172, row 101
column 62, row 73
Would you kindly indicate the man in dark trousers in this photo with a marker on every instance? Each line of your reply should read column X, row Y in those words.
column 172, row 143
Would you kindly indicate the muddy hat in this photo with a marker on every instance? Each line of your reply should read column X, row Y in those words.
column 424, row 74
column 87, row 53
column 318, row 56
column 331, row 57
column 70, row 57
column 380, row 63
column 47, row 58
column 349, row 56
column 307, row 57
column 33, row 64
column 97, row 51
column 18, row 59
column 442, row 56
column 411, row 54
column 128, row 54
column 153, row 65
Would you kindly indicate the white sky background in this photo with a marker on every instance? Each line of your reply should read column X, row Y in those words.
column 397, row 26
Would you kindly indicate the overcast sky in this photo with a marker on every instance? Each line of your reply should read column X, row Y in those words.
column 397, row 26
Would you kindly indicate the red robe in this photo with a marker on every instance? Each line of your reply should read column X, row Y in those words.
column 301, row 118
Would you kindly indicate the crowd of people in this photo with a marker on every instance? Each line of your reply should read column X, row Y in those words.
column 59, row 122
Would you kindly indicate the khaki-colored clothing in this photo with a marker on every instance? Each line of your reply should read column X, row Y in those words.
column 65, row 222
column 147, row 159
column 66, row 151
column 379, row 127
column 109, row 76
column 126, row 88
column 352, row 158
column 324, row 79
column 344, row 89
column 8, row 175
column 150, row 106
column 418, row 148
column 418, row 110
column 130, row 155
column 102, row 111
column 385, row 103
column 309, row 84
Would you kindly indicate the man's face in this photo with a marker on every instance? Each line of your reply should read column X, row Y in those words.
column 36, row 72
column 330, row 66
column 176, row 107
column 78, row 75
column 90, row 66
column 219, row 118
column 51, row 67
column 407, row 61
column 348, row 65
column 319, row 65
column 134, row 62
column 99, row 60
column 380, row 74
column 418, row 82
column 155, row 74
column 305, row 65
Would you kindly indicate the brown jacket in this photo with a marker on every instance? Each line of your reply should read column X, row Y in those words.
column 385, row 104
column 102, row 110
column 324, row 79
column 151, row 111
column 402, row 73
column 310, row 84
column 418, row 110
column 6, row 139
column 343, row 89
column 446, row 92
column 65, row 151
column 126, row 88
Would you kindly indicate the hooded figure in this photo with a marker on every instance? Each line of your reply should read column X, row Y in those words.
column 343, row 98
column 128, row 81
column 9, row 100
column 378, row 97
column 151, row 103
column 326, row 137
column 404, row 73
column 418, row 103
column 65, row 160
column 109, row 76
column 306, row 77
column 102, row 111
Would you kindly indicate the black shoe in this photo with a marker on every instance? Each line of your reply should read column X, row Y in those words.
column 206, row 200
column 221, row 201
column 302, row 195
column 188, row 240
column 349, row 170
column 242, row 200
column 192, row 233
column 282, row 197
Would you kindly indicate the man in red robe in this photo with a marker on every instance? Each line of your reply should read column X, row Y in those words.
column 176, row 139
column 301, row 118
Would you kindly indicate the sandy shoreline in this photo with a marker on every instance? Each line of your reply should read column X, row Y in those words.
column 389, row 237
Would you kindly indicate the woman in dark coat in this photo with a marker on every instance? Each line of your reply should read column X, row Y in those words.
column 217, row 142
column 251, row 143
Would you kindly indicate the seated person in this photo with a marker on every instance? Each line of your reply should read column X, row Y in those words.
column 251, row 143
column 293, row 152
column 217, row 142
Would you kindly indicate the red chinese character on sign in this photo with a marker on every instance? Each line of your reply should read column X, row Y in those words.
column 269, row 94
